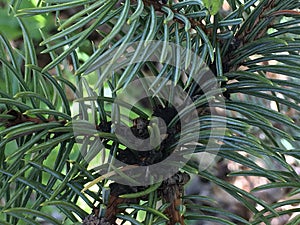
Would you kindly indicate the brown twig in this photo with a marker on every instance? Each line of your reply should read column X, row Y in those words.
column 21, row 118
column 114, row 200
column 285, row 12
column 171, row 192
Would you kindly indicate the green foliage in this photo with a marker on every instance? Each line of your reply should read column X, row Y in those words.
column 252, row 49
column 213, row 6
column 11, row 28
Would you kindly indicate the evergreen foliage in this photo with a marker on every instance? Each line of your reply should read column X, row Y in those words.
column 251, row 49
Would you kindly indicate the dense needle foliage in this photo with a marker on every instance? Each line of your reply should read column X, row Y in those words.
column 61, row 102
